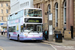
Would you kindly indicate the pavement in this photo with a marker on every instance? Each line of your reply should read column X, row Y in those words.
column 65, row 45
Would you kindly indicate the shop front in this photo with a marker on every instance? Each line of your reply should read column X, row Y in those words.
column 3, row 26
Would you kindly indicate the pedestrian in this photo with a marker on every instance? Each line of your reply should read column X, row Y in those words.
column 4, row 32
column 46, row 34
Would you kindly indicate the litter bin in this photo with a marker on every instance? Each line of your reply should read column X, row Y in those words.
column 58, row 38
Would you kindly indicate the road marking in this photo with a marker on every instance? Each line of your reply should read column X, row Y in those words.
column 53, row 47
column 50, row 45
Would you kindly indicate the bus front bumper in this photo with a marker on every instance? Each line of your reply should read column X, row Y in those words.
column 31, row 38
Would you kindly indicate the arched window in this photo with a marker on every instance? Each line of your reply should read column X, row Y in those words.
column 56, row 14
column 49, row 8
column 64, row 13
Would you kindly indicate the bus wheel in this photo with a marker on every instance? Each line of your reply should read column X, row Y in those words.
column 18, row 38
column 9, row 37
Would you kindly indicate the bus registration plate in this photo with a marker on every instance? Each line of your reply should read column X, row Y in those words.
column 33, row 39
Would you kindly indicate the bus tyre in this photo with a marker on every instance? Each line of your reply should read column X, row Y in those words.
column 9, row 37
column 18, row 38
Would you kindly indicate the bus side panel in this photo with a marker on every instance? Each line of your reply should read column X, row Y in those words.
column 20, row 24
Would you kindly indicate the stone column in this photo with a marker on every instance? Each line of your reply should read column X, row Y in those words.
column 51, row 6
column 67, row 14
column 43, row 12
column 69, row 18
column 59, row 14
column 71, row 12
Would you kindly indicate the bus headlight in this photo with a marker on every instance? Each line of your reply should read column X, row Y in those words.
column 41, row 35
column 25, row 35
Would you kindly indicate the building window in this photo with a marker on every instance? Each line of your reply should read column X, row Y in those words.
column 27, row 3
column 56, row 14
column 1, row 5
column 2, row 18
column 6, row 10
column 49, row 8
column 1, row 11
column 64, row 12
column 12, row 29
column 6, row 4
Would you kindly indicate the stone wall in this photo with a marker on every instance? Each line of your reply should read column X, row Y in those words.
column 74, row 19
column 52, row 4
column 4, row 8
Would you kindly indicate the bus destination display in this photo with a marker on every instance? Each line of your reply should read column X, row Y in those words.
column 30, row 20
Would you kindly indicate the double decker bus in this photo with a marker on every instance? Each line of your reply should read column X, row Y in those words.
column 25, row 24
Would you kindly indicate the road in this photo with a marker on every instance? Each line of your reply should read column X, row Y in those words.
column 6, row 44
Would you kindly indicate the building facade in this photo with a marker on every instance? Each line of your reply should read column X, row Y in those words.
column 16, row 5
column 56, row 8
column 43, row 5
column 4, row 12
column 63, row 15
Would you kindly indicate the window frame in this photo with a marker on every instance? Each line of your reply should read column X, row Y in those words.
column 7, row 11
column 2, row 18
column 12, row 29
column 2, row 11
column 1, row 5
column 56, row 15
column 64, row 12
column 49, row 8
column 7, row 4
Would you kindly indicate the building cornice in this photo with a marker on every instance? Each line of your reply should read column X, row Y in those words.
column 41, row 1
column 38, row 1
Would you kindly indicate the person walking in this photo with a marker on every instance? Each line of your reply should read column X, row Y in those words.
column 2, row 32
column 43, row 35
column 46, row 34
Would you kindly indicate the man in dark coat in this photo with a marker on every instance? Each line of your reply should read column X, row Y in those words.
column 2, row 33
column 46, row 34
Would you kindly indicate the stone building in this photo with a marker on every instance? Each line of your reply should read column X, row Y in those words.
column 63, row 15
column 4, row 12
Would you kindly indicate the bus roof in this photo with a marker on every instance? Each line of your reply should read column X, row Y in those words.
column 25, row 8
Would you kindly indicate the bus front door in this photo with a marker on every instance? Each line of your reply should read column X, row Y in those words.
column 39, row 28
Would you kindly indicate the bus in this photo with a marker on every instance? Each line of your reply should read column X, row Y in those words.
column 25, row 24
